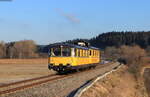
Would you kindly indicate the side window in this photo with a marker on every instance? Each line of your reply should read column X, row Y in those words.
column 76, row 52
column 93, row 53
column 79, row 52
column 90, row 52
column 96, row 53
column 86, row 53
column 83, row 53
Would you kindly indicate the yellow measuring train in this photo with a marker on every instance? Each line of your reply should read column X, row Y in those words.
column 69, row 57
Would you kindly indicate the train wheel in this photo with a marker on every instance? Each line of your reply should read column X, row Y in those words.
column 94, row 67
column 77, row 70
column 90, row 67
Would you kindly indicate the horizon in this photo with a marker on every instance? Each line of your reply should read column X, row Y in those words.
column 80, row 38
column 53, row 21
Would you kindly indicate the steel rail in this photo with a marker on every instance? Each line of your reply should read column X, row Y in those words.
column 7, row 91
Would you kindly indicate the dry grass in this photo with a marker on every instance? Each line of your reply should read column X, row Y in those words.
column 147, row 80
column 23, row 61
column 19, row 69
column 118, row 84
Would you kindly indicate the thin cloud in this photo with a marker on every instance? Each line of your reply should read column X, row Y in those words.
column 69, row 17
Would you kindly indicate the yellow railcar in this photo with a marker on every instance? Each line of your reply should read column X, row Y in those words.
column 65, row 57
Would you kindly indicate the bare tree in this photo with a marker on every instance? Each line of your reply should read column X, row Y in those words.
column 134, row 57
column 148, row 50
column 23, row 49
column 111, row 53
column 132, row 54
column 2, row 49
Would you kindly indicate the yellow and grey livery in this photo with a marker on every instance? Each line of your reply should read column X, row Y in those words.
column 65, row 57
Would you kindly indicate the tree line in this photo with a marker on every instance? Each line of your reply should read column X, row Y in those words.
column 20, row 49
column 29, row 49
column 118, row 39
column 134, row 57
column 115, row 39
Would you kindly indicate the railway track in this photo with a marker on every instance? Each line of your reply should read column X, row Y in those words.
column 15, row 86
column 20, row 85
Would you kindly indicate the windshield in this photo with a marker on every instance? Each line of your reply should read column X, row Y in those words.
column 56, row 51
column 60, row 51
column 66, row 51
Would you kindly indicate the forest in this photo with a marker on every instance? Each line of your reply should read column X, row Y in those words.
column 29, row 48
column 121, row 38
column 115, row 39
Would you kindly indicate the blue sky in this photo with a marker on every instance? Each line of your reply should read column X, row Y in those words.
column 48, row 21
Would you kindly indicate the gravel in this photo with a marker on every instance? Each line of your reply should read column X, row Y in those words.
column 61, row 88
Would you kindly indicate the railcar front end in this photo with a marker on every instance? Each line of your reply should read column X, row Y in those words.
column 64, row 58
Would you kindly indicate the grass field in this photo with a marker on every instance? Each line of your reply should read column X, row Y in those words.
column 23, row 61
column 19, row 69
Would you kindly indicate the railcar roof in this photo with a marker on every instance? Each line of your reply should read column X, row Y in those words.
column 91, row 47
column 72, row 45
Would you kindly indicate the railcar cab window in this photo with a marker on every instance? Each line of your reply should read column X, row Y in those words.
column 66, row 51
column 56, row 51
column 60, row 51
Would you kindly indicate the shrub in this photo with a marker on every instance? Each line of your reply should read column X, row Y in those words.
column 132, row 56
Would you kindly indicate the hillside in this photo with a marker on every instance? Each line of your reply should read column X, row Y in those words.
column 113, row 39
column 121, row 38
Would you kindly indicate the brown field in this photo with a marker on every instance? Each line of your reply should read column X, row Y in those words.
column 23, row 61
column 20, row 69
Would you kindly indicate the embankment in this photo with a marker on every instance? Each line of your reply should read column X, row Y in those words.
column 147, row 80
column 120, row 83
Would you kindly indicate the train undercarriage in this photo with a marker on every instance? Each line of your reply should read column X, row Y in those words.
column 65, row 69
